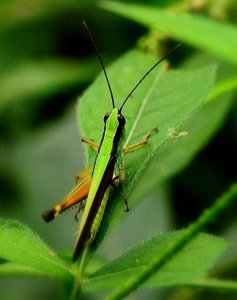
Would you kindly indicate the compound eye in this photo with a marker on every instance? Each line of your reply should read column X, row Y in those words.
column 121, row 120
column 106, row 117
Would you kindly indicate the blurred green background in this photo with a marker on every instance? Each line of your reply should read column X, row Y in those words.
column 46, row 62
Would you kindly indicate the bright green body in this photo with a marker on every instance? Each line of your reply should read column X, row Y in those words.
column 109, row 152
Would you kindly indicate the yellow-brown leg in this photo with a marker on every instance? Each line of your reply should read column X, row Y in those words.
column 77, row 195
column 141, row 143
column 90, row 143
column 83, row 174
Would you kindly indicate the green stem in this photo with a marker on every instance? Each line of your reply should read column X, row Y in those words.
column 188, row 234
column 76, row 287
column 216, row 284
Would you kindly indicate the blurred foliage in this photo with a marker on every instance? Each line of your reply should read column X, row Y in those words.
column 47, row 61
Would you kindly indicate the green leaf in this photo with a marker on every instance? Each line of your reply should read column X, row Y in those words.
column 190, row 263
column 177, row 153
column 164, row 100
column 173, row 248
column 201, row 127
column 210, row 35
column 13, row 269
column 21, row 246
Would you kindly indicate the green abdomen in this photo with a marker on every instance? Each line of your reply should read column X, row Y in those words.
column 96, row 224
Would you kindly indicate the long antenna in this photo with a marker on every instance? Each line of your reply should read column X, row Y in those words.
column 146, row 74
column 101, row 62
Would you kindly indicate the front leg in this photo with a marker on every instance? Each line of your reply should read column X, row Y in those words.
column 90, row 143
column 141, row 143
